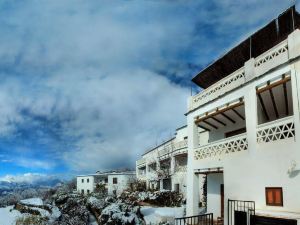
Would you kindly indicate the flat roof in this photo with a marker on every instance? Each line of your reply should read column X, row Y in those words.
column 158, row 146
column 259, row 42
column 108, row 173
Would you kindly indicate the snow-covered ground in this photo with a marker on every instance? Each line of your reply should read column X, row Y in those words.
column 8, row 216
column 33, row 201
column 154, row 215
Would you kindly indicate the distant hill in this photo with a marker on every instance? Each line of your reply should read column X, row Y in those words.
column 7, row 187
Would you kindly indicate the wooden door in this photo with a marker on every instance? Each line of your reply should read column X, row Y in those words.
column 222, row 200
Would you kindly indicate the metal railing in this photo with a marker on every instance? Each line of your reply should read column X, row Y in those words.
column 204, row 219
column 239, row 212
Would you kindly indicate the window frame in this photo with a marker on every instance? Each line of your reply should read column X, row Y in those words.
column 115, row 180
column 274, row 189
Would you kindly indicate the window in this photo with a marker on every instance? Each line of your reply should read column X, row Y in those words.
column 87, row 180
column 106, row 180
column 82, row 191
column 82, row 180
column 88, row 191
column 115, row 180
column 274, row 196
column 114, row 192
column 185, row 138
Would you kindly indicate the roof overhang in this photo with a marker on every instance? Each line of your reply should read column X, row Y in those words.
column 264, row 39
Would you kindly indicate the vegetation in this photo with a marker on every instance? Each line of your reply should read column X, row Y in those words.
column 31, row 220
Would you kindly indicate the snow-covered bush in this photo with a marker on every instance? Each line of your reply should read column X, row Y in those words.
column 31, row 220
column 157, row 198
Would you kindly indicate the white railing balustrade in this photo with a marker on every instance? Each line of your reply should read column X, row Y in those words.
column 141, row 161
column 180, row 144
column 237, row 143
column 179, row 169
column 276, row 130
column 228, row 83
column 278, row 50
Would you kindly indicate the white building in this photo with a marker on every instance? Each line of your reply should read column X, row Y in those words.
column 115, row 182
column 164, row 167
column 249, row 152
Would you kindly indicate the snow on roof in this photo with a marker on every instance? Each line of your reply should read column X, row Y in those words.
column 108, row 173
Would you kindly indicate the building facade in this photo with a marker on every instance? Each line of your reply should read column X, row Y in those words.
column 164, row 167
column 244, row 130
column 114, row 182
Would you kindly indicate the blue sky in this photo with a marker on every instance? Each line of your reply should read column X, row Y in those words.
column 90, row 85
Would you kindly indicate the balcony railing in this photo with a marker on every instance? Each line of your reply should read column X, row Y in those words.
column 271, row 58
column 263, row 63
column 141, row 161
column 276, row 130
column 173, row 148
column 237, row 143
column 179, row 169
column 228, row 83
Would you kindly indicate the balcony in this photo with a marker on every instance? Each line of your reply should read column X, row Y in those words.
column 228, row 83
column 180, row 169
column 230, row 145
column 173, row 149
column 276, row 130
column 141, row 162
column 258, row 66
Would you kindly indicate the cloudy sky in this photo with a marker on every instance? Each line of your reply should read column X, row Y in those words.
column 90, row 85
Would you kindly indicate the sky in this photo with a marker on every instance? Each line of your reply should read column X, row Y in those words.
column 91, row 85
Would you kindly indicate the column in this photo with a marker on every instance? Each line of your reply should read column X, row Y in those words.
column 192, row 189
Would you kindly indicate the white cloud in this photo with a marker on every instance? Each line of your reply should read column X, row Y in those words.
column 91, row 69
column 30, row 178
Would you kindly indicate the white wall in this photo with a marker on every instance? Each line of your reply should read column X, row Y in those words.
column 248, row 173
column 123, row 182
column 85, row 185
column 214, row 182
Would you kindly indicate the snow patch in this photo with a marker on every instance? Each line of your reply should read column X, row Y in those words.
column 8, row 215
column 154, row 215
column 33, row 201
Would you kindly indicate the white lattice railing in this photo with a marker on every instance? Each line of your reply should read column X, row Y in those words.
column 141, row 161
column 166, row 150
column 225, row 146
column 273, row 53
column 226, row 84
column 179, row 169
column 180, row 144
column 276, row 130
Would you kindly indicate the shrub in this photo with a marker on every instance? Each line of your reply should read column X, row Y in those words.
column 31, row 220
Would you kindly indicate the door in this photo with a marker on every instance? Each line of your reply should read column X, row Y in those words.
column 222, row 200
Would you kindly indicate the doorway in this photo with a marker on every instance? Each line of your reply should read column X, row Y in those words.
column 222, row 199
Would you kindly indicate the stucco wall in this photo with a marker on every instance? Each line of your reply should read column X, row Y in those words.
column 123, row 183
column 214, row 182
column 248, row 173
column 85, row 185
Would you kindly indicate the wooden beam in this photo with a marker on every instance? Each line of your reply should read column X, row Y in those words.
column 275, row 84
column 263, row 106
column 286, row 101
column 204, row 128
column 219, row 121
column 208, row 123
column 227, row 117
column 220, row 112
column 237, row 113
column 273, row 101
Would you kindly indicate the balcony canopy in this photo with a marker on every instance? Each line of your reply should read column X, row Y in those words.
column 264, row 39
column 221, row 117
